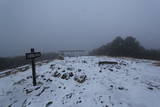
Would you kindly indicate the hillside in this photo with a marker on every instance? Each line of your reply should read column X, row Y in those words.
column 82, row 82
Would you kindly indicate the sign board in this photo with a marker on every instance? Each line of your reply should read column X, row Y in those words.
column 33, row 55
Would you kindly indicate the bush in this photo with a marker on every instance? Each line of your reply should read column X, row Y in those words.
column 128, row 47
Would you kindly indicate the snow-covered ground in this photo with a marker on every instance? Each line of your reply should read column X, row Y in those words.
column 82, row 82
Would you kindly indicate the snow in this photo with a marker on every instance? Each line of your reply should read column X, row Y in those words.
column 130, row 83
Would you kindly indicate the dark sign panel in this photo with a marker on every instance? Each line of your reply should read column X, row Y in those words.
column 33, row 55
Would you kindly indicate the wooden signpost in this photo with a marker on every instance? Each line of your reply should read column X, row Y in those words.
column 32, row 56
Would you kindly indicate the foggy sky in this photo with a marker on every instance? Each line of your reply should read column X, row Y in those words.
column 50, row 25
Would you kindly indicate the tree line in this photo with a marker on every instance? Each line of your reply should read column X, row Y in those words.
column 127, row 47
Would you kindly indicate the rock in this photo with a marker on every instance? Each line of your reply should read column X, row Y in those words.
column 52, row 66
column 42, row 76
column 57, row 74
column 79, row 70
column 28, row 91
column 49, row 103
column 70, row 69
column 49, row 80
column 37, row 88
column 80, row 79
column 65, row 76
column 42, row 91
column 71, row 74
column 123, row 63
column 110, row 69
column 68, row 96
column 118, row 67
column 107, row 62
column 63, row 71
column 84, row 61
column 150, row 88
column 111, row 86
column 120, row 88
column 29, row 77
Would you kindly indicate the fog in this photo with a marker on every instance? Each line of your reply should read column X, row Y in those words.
column 51, row 25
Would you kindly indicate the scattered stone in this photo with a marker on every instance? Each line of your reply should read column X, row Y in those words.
column 118, row 67
column 42, row 91
column 37, row 88
column 28, row 91
column 150, row 88
column 123, row 63
column 136, row 78
column 29, row 103
column 71, row 74
column 49, row 103
column 110, row 69
column 49, row 80
column 111, row 86
column 84, row 61
column 57, row 74
column 52, row 66
column 29, row 77
column 77, row 102
column 68, row 96
column 70, row 69
column 107, row 62
column 80, row 79
column 121, row 88
column 9, row 92
column 42, row 76
column 79, row 70
column 65, row 76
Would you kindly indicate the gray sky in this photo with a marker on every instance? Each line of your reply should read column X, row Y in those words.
column 50, row 25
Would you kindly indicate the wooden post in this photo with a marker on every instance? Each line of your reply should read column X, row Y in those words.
column 32, row 56
column 33, row 69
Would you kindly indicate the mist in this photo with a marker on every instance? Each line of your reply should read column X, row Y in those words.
column 52, row 25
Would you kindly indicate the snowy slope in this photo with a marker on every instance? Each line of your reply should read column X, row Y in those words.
column 81, row 82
